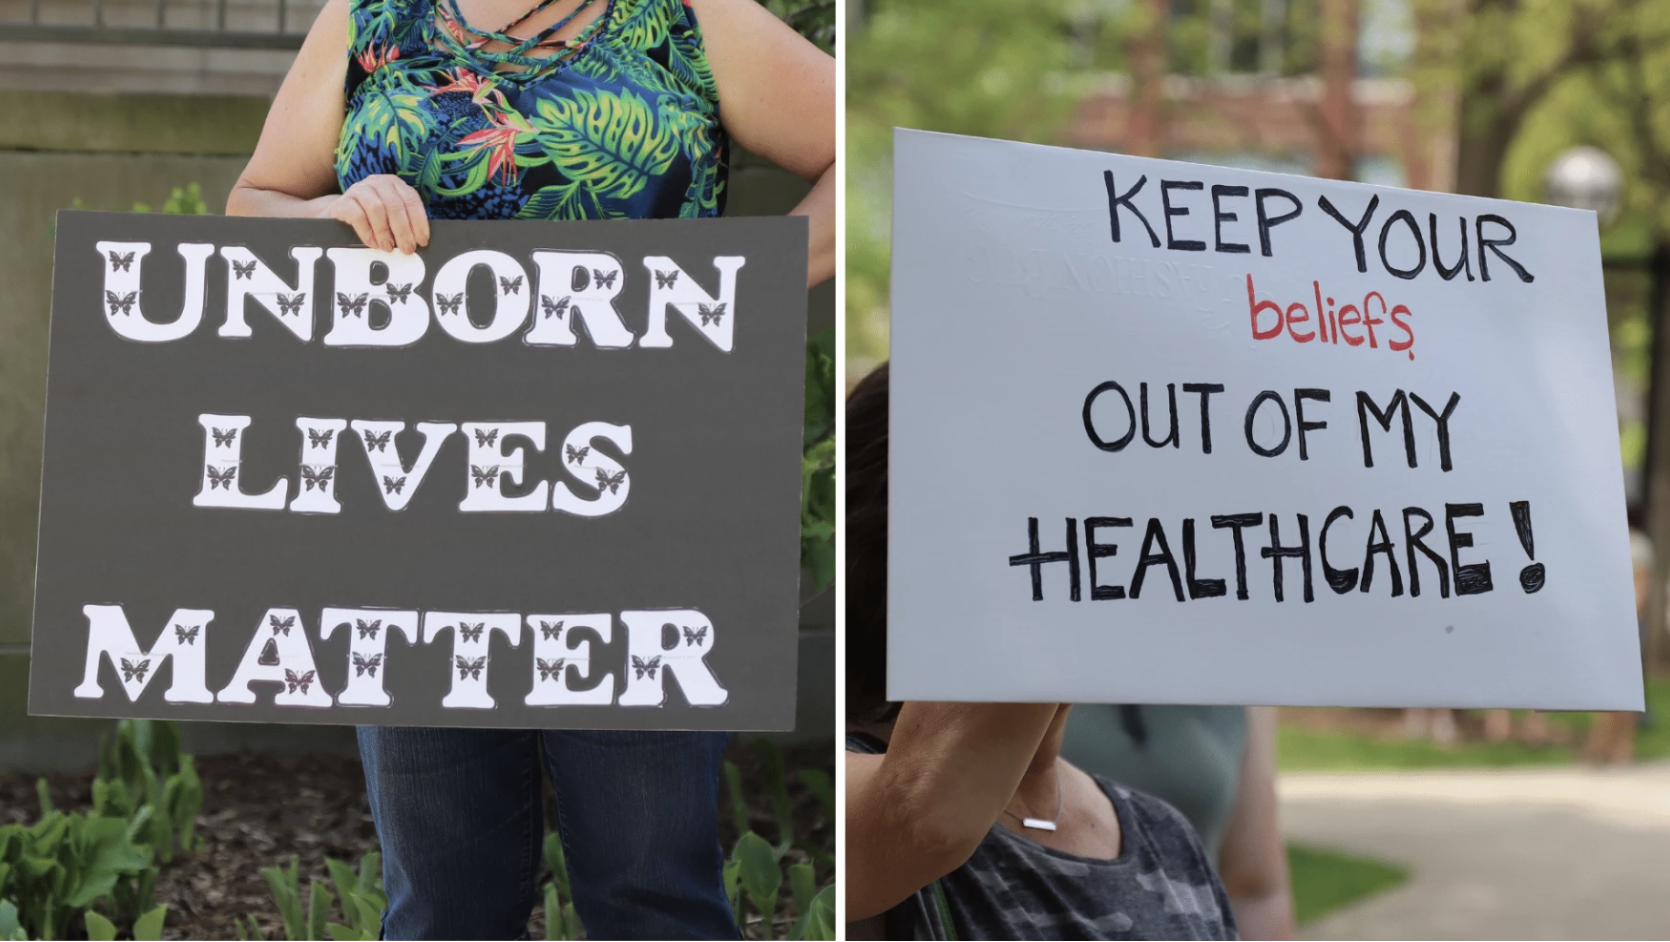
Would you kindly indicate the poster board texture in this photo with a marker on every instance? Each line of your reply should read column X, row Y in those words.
column 536, row 475
column 1172, row 433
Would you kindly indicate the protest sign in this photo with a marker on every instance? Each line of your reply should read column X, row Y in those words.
column 1170, row 433
column 535, row 475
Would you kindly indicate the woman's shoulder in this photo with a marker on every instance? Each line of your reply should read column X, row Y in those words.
column 1153, row 818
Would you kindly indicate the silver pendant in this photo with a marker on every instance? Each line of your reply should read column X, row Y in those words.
column 1038, row 824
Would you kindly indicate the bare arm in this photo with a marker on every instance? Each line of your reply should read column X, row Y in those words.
column 1252, row 860
column 919, row 811
column 293, row 170
column 777, row 99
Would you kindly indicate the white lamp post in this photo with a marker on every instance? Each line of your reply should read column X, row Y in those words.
column 1585, row 178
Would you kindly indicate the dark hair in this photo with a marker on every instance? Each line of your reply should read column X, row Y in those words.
column 866, row 540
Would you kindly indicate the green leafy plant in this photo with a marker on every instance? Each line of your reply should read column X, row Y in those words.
column 754, row 872
column 182, row 201
column 817, row 463
column 561, row 920
column 815, row 19
column 361, row 896
column 61, row 865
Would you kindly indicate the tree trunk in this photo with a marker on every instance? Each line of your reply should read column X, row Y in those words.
column 1658, row 447
column 1486, row 129
column 1147, row 51
column 1337, row 154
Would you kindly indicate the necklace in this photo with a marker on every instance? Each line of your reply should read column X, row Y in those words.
column 1042, row 824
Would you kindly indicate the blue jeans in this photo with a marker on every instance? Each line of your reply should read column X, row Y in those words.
column 459, row 815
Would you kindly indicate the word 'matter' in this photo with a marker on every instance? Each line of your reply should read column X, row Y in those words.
column 660, row 644
column 565, row 288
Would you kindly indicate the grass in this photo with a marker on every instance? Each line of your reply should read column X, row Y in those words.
column 1302, row 748
column 1323, row 881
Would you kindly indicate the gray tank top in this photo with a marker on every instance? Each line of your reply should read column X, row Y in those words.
column 1161, row 885
column 1187, row 756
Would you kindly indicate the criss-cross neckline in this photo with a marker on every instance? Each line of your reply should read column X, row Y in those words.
column 526, row 67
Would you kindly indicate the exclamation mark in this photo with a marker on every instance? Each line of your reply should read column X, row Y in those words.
column 1533, row 576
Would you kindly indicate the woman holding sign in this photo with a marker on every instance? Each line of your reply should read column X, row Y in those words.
column 963, row 820
column 399, row 111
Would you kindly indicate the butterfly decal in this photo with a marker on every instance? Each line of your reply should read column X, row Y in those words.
column 221, row 477
column 554, row 308
column 120, row 303
column 120, row 262
column 510, row 285
column 486, row 437
column 184, row 635
column 291, row 303
column 242, row 270
column 318, row 439
column 281, row 626
column 303, row 681
column 450, row 305
column 398, row 293
column 549, row 670
column 224, row 436
column 577, row 455
column 132, row 671
column 269, row 654
column 317, row 477
column 366, row 665
column 694, row 635
column 606, row 279
column 375, row 441
column 666, row 279
column 368, row 629
column 646, row 667
column 484, row 476
column 393, row 485
column 610, row 481
column 471, row 632
column 468, row 667
column 549, row 631
column 712, row 314
column 351, row 307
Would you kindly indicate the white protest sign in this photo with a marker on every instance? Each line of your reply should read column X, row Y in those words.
column 1170, row 433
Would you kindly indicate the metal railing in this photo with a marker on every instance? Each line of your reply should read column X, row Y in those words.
column 216, row 24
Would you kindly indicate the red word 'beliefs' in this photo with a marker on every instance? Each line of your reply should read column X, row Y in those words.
column 1350, row 322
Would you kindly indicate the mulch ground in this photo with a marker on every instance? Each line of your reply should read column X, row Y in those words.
column 259, row 810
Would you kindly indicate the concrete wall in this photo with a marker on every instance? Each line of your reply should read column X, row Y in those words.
column 107, row 151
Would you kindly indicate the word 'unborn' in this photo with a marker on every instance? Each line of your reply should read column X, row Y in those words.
column 660, row 644
column 565, row 291
column 1464, row 578
column 489, row 461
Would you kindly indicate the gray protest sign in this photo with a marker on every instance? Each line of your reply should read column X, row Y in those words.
column 537, row 475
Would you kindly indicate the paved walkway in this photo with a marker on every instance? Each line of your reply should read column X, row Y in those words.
column 1568, row 853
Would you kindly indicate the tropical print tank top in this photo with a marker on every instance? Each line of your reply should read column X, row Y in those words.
column 622, row 123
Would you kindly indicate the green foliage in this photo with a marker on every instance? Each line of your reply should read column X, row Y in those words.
column 11, row 928
column 561, row 921
column 981, row 67
column 817, row 920
column 187, row 201
column 817, row 463
column 814, row 19
column 1324, row 881
column 62, row 865
column 361, row 897
column 754, row 872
